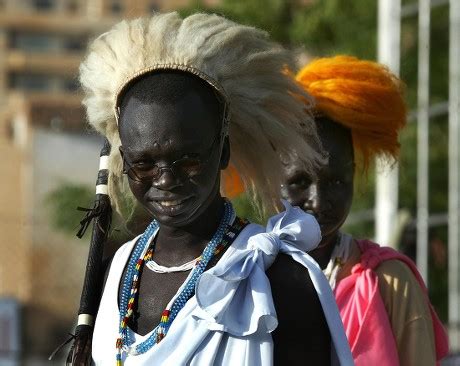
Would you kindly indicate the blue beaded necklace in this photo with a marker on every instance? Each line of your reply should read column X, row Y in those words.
column 141, row 253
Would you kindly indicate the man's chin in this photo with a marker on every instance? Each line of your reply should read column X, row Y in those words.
column 174, row 217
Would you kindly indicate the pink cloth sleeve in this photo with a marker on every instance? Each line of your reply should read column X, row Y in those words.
column 365, row 319
column 364, row 315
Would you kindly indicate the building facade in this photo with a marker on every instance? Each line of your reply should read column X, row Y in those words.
column 44, row 142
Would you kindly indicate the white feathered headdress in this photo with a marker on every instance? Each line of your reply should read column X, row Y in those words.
column 269, row 113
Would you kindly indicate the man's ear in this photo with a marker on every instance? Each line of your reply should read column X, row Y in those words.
column 225, row 157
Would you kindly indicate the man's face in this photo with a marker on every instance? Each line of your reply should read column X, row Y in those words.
column 162, row 133
column 329, row 195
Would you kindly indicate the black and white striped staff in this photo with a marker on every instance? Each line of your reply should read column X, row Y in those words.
column 101, row 213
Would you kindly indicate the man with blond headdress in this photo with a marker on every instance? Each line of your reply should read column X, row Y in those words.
column 172, row 96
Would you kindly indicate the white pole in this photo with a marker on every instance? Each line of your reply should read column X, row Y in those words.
column 386, row 199
column 423, row 119
column 454, row 176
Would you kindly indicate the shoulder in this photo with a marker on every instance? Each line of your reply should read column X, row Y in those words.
column 408, row 309
column 285, row 274
column 288, row 274
column 402, row 294
column 299, row 312
column 292, row 286
column 126, row 248
column 396, row 273
column 248, row 231
column 118, row 259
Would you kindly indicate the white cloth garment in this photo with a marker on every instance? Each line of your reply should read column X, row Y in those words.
column 229, row 320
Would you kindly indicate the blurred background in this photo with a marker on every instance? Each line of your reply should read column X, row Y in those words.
column 49, row 157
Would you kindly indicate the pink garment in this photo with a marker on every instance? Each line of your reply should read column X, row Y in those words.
column 364, row 315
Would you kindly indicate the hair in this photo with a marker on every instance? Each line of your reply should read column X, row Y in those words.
column 166, row 87
column 169, row 87
column 267, row 108
column 363, row 96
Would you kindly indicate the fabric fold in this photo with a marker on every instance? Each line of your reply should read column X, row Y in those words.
column 236, row 296
column 230, row 318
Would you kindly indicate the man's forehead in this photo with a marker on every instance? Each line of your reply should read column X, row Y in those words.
column 188, row 114
column 336, row 164
column 168, row 141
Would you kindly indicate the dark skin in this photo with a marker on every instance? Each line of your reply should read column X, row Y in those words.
column 302, row 333
column 163, row 133
column 329, row 195
column 189, row 211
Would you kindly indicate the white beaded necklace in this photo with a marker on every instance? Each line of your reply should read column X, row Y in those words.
column 157, row 268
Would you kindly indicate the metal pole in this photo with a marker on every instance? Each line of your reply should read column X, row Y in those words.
column 412, row 9
column 454, row 176
column 3, row 69
column 386, row 200
column 423, row 120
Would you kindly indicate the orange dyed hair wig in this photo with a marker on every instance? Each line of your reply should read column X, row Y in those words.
column 361, row 95
column 232, row 183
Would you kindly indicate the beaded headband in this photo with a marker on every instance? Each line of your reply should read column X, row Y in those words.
column 220, row 92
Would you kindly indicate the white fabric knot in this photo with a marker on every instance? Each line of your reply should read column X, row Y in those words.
column 292, row 227
column 295, row 227
column 231, row 294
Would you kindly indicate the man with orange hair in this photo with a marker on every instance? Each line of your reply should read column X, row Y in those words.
column 382, row 299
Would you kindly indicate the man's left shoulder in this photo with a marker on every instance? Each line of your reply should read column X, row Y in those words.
column 288, row 273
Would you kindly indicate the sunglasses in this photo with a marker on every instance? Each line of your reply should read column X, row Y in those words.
column 186, row 167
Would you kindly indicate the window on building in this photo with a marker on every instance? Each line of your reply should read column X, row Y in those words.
column 44, row 5
column 30, row 82
column 33, row 42
column 71, row 85
column 72, row 7
column 116, row 7
column 75, row 44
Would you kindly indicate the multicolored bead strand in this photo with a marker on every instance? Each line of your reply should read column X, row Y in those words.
column 189, row 289
column 169, row 314
column 128, row 294
column 223, row 237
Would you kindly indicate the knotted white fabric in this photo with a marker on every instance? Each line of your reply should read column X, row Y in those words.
column 229, row 320
column 221, row 293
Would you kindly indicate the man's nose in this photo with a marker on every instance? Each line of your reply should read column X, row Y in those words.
column 312, row 200
column 317, row 200
column 167, row 180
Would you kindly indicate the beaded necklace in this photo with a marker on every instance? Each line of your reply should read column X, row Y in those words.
column 157, row 268
column 142, row 253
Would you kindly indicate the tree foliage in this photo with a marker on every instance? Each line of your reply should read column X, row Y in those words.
column 329, row 27
column 62, row 204
column 325, row 28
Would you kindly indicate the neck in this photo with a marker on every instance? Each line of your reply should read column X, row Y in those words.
column 322, row 254
column 176, row 244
